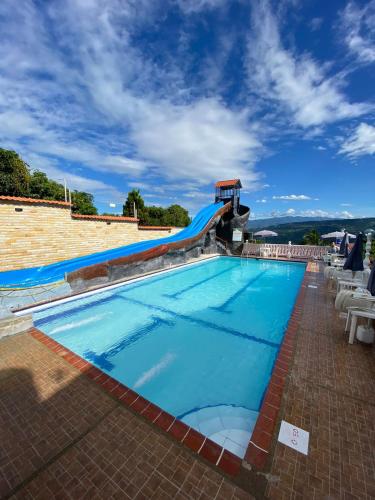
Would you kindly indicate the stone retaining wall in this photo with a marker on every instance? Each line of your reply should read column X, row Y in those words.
column 11, row 324
column 37, row 232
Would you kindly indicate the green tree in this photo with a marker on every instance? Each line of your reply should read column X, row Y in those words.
column 83, row 203
column 154, row 216
column 14, row 174
column 175, row 215
column 16, row 180
column 43, row 188
column 134, row 199
column 312, row 238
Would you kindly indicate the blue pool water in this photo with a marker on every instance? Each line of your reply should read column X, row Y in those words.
column 200, row 341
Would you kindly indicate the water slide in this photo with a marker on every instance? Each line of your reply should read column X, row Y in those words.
column 51, row 273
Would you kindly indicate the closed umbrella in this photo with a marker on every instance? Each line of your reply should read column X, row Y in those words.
column 371, row 281
column 344, row 245
column 354, row 262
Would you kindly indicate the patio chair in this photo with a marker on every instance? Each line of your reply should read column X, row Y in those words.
column 354, row 314
column 350, row 298
column 349, row 288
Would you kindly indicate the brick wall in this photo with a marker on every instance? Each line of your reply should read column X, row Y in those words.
column 42, row 233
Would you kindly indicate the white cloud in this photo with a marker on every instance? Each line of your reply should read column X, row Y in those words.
column 193, row 6
column 358, row 28
column 74, row 181
column 294, row 197
column 200, row 142
column 347, row 215
column 315, row 213
column 318, row 213
column 263, row 200
column 346, row 205
column 324, row 213
column 122, row 113
column 198, row 194
column 362, row 142
column 316, row 23
column 298, row 84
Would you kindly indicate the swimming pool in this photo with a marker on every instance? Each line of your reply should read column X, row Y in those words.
column 199, row 341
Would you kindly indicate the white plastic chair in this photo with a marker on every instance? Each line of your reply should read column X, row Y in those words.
column 354, row 314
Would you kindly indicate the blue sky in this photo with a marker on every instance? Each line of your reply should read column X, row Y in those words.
column 170, row 96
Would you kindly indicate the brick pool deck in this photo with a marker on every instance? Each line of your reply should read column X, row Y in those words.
column 63, row 436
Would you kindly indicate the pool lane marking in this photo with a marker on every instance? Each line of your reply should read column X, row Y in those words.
column 102, row 361
column 238, row 292
column 181, row 270
column 72, row 310
column 108, row 288
column 77, row 324
column 201, row 322
column 190, row 287
column 102, row 300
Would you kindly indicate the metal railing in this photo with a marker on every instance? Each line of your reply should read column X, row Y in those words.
column 276, row 250
column 223, row 242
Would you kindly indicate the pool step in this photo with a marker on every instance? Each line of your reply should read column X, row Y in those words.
column 229, row 426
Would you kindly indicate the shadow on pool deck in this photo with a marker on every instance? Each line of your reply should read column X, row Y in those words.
column 62, row 436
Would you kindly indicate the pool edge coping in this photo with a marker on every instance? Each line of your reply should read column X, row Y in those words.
column 263, row 435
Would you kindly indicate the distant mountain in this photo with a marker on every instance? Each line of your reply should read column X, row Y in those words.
column 295, row 231
column 265, row 223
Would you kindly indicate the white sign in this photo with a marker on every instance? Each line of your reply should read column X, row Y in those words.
column 237, row 235
column 294, row 437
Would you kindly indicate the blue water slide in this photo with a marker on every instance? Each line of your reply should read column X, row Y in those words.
column 34, row 276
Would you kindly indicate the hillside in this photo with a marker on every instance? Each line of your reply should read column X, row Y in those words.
column 273, row 221
column 295, row 231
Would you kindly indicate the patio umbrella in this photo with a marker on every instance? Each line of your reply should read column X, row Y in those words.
column 265, row 233
column 371, row 281
column 344, row 245
column 354, row 262
column 337, row 235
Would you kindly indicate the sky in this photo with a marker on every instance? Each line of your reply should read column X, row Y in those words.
column 169, row 96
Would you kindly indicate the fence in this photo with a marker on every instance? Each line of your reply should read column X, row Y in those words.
column 281, row 250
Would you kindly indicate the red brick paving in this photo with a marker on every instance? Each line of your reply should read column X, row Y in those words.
column 63, row 436
column 331, row 395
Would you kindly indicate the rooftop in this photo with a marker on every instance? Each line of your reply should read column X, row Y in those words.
column 105, row 218
column 34, row 200
column 156, row 228
column 229, row 183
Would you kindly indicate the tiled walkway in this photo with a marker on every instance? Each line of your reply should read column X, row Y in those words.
column 62, row 436
column 331, row 394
